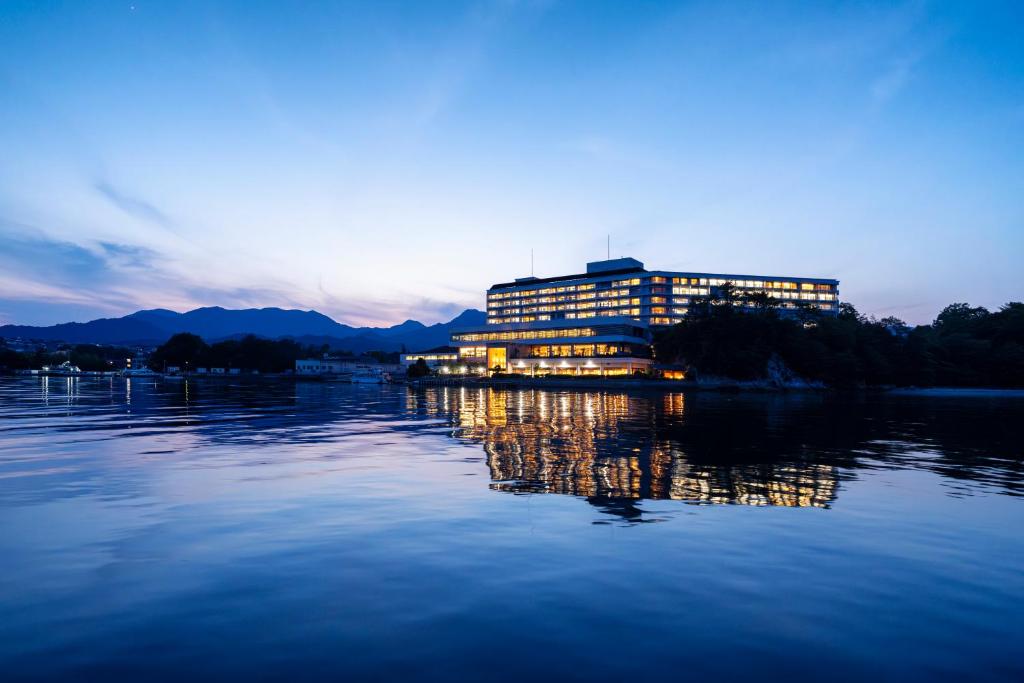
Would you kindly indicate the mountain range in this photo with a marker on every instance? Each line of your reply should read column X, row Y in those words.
column 155, row 326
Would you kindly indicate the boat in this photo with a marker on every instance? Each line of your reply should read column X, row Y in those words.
column 139, row 372
column 369, row 376
column 65, row 369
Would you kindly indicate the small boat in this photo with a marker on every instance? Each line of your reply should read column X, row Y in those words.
column 65, row 369
column 139, row 372
column 369, row 376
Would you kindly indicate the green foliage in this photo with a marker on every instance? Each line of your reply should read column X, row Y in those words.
column 964, row 347
column 12, row 360
column 183, row 350
column 90, row 357
column 418, row 369
column 392, row 357
column 249, row 353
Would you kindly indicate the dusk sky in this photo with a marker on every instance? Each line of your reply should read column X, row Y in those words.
column 383, row 161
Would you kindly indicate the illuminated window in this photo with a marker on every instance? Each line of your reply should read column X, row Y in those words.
column 524, row 334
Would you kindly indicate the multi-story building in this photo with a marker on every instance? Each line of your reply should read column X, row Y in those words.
column 622, row 287
column 600, row 322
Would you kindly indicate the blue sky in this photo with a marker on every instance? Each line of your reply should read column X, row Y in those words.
column 381, row 161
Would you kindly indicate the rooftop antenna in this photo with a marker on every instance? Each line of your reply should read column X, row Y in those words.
column 609, row 246
column 531, row 262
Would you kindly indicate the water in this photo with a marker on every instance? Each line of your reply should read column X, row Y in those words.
column 158, row 531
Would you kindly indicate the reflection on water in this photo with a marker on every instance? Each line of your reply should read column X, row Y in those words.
column 613, row 446
column 765, row 450
column 751, row 450
column 259, row 530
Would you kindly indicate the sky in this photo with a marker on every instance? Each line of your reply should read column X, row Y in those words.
column 381, row 161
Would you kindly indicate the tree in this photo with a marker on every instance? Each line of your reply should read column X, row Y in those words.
column 959, row 317
column 759, row 300
column 847, row 311
column 418, row 369
column 182, row 349
column 895, row 326
column 967, row 346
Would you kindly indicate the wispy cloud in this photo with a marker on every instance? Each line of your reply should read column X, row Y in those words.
column 886, row 86
column 386, row 311
column 607, row 150
column 106, row 278
column 134, row 206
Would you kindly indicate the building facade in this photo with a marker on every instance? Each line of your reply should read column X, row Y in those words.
column 609, row 346
column 601, row 322
column 623, row 287
column 442, row 356
column 343, row 365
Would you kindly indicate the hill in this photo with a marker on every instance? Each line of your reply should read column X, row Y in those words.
column 155, row 326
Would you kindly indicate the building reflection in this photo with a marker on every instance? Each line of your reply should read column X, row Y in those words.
column 620, row 447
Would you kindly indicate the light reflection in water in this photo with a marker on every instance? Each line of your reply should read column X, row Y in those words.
column 612, row 446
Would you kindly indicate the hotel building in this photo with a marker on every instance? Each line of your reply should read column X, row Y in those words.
column 600, row 322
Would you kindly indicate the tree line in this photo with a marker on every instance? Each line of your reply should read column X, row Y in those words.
column 746, row 337
column 184, row 350
column 88, row 357
column 190, row 351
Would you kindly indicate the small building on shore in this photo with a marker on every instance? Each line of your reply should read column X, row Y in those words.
column 437, row 357
column 343, row 365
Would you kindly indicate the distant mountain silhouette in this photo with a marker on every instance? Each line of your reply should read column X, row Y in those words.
column 155, row 326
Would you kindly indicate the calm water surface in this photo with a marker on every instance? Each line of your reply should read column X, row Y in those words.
column 155, row 530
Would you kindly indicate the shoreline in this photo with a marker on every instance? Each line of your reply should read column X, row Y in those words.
column 617, row 384
column 958, row 392
column 720, row 386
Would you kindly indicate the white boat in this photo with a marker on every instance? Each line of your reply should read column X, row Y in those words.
column 369, row 376
column 139, row 372
column 64, row 369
